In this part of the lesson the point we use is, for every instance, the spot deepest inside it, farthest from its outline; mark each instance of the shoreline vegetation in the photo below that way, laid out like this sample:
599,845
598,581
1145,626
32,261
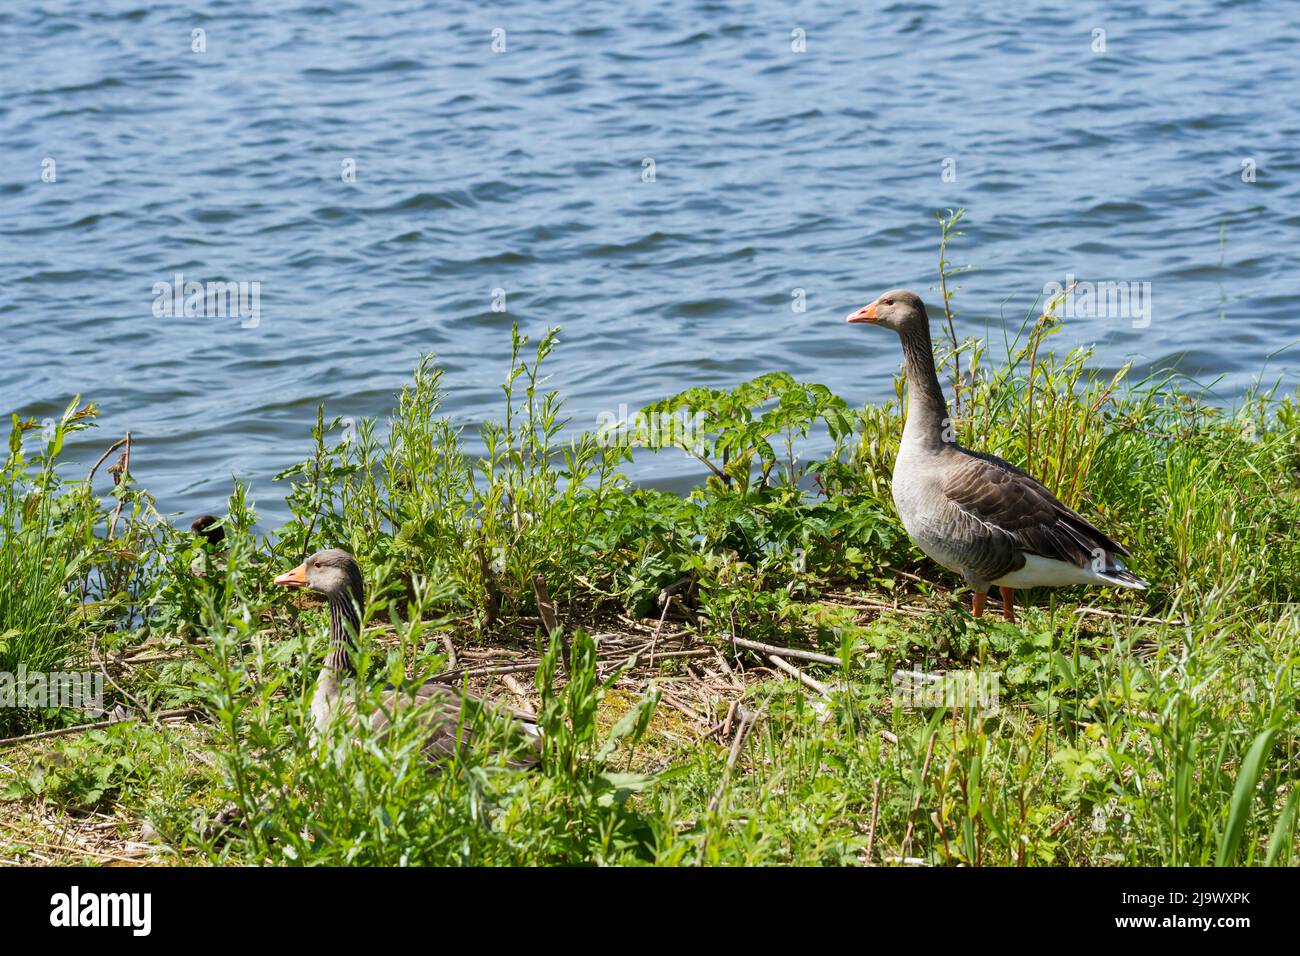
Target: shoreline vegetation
765,671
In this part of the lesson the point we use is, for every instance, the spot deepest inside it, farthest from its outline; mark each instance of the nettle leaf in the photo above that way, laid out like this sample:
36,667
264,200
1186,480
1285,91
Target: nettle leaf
617,787
837,420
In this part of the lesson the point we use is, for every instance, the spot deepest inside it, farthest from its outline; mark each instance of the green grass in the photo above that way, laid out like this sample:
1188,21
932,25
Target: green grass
1134,728
48,552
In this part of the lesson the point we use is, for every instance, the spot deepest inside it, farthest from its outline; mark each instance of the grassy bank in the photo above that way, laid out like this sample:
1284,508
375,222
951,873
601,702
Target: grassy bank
1128,728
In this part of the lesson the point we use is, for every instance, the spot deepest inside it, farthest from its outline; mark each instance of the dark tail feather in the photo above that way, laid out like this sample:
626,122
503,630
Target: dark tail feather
1126,579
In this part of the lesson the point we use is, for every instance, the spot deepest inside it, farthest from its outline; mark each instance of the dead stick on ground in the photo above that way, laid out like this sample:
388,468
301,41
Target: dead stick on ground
680,705
1061,824
126,694
78,728
746,721
736,683
529,666
906,574
784,651
546,610
709,733
448,676
73,851
61,731
731,713
799,675
654,641
694,652
516,688
865,605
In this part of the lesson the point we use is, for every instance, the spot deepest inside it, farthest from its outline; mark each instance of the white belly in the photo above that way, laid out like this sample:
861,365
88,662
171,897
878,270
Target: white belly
1040,572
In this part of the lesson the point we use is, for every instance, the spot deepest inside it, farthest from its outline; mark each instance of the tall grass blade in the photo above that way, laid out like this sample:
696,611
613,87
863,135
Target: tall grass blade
1283,833
1243,795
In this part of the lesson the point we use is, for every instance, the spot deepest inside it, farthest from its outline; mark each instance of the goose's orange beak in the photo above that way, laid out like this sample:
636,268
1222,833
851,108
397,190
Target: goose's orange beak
865,314
297,578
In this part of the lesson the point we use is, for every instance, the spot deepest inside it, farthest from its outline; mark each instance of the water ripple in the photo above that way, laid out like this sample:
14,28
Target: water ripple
665,185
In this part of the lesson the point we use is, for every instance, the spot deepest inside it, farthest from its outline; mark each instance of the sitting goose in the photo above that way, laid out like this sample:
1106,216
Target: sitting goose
209,528
335,574
975,514
210,534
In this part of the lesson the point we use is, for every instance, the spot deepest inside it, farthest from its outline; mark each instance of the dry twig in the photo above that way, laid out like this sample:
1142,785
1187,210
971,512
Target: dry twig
799,675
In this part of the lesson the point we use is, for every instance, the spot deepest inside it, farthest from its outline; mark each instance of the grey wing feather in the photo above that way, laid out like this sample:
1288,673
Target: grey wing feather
1019,510
446,720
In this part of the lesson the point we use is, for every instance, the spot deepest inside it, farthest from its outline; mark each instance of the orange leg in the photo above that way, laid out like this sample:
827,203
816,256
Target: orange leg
977,603
1008,604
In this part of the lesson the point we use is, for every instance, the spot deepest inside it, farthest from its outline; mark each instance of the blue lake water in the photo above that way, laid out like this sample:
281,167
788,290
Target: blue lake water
379,169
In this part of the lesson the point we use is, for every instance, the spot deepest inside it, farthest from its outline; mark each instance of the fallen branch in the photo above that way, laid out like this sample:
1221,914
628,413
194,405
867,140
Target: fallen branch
731,713
747,720
784,651
68,850
448,676
710,732
98,725
516,688
546,610
529,666
683,707
1061,824
799,675
667,600
865,604
62,731
664,655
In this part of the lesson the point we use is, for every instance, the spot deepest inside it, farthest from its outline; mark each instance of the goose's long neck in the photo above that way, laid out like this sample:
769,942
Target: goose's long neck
345,623
927,412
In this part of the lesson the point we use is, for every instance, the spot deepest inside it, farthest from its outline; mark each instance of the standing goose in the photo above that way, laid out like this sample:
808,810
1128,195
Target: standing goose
975,514
335,574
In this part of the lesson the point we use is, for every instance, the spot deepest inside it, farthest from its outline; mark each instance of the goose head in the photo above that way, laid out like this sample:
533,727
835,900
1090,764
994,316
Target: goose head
331,572
897,309
209,528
